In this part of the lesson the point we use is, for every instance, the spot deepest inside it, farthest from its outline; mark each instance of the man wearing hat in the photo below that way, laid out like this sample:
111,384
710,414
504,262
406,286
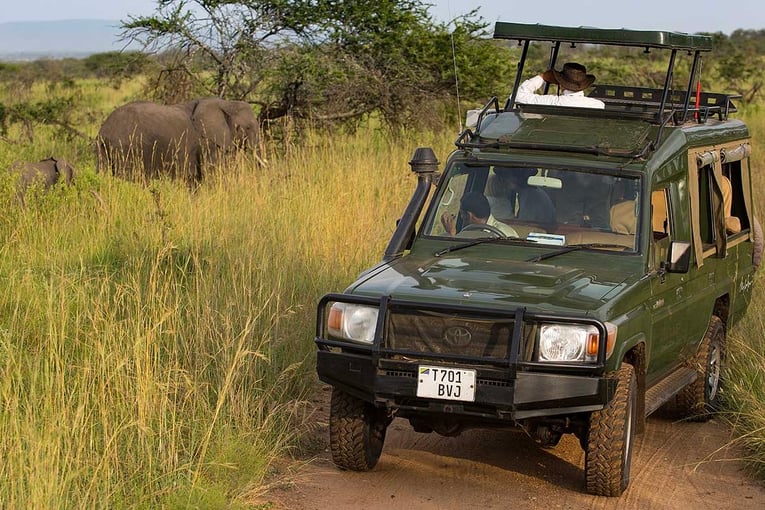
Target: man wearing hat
571,81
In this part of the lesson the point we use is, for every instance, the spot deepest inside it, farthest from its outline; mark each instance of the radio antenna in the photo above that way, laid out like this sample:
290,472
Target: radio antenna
456,83
454,63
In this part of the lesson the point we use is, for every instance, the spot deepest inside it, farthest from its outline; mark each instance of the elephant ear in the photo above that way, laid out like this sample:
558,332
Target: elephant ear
235,128
64,168
212,123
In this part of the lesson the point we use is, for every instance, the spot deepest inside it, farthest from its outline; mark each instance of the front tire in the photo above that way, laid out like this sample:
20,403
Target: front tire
356,432
610,438
700,399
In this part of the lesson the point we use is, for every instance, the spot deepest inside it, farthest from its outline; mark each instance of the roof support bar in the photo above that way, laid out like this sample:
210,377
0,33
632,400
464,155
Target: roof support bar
553,60
521,62
691,79
667,83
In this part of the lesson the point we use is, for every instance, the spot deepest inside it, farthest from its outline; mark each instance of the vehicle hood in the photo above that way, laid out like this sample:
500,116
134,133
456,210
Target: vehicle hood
499,284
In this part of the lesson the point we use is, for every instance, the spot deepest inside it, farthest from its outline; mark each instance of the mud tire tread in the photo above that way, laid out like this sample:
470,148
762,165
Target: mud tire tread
356,432
692,401
605,467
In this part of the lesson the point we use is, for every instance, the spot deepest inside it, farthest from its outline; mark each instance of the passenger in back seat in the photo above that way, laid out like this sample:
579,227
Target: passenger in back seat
511,197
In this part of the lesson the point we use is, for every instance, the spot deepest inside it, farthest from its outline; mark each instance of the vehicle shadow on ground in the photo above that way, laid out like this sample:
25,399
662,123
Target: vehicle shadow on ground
509,450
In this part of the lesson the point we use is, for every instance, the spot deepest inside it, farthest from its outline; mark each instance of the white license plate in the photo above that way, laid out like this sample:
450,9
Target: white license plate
446,383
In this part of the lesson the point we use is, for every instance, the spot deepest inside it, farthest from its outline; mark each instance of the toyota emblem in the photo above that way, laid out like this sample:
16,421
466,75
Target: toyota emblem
457,336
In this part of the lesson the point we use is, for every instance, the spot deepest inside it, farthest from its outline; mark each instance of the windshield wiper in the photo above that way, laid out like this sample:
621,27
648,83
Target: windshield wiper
573,247
474,242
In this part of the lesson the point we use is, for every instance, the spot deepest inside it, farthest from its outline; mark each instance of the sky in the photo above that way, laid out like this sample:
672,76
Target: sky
689,16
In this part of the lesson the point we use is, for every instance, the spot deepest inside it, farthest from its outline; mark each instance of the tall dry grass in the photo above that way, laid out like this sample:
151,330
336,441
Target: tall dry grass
745,374
156,344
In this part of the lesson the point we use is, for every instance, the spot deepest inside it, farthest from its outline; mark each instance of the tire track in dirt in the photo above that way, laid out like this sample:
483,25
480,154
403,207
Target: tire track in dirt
675,465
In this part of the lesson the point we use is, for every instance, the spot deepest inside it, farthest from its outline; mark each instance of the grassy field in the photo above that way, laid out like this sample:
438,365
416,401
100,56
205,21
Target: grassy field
745,377
156,345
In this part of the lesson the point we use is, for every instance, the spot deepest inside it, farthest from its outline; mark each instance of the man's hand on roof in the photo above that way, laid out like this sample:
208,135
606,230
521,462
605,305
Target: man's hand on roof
549,76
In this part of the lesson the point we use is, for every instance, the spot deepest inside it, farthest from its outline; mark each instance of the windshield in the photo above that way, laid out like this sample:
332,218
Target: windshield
538,205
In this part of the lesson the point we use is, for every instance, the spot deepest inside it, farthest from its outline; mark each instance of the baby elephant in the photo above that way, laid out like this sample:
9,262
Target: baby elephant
46,172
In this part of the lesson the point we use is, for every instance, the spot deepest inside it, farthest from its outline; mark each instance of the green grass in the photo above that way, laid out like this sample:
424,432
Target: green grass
156,345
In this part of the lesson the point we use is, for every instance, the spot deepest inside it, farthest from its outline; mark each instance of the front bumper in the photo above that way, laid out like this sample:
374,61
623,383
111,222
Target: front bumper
500,395
508,386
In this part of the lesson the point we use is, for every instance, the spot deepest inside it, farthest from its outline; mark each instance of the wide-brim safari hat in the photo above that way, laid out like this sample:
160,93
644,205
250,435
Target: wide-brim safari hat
573,77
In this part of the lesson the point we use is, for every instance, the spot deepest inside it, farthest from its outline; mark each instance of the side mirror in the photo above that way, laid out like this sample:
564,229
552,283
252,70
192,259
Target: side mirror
679,259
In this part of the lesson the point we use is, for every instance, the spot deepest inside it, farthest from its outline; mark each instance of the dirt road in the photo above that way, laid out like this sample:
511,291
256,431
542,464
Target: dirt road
676,465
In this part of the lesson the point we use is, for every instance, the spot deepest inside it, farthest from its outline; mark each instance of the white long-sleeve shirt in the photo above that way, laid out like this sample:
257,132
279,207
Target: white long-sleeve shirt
527,95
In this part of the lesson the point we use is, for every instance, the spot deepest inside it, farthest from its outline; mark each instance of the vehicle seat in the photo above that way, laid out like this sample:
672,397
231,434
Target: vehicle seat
623,217
659,218
732,223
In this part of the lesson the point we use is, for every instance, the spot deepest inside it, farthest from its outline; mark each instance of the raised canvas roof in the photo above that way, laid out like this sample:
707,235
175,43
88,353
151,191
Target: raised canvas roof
617,37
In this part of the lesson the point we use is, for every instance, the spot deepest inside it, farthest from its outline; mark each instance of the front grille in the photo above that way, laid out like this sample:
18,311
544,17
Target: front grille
438,333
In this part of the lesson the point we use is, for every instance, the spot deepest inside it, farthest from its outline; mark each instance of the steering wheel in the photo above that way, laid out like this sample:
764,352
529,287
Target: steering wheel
491,229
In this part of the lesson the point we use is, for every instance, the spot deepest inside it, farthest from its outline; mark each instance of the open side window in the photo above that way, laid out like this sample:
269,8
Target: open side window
720,205
736,206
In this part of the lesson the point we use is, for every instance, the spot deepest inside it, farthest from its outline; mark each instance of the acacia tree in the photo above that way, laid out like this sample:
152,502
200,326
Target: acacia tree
234,38
321,59
391,57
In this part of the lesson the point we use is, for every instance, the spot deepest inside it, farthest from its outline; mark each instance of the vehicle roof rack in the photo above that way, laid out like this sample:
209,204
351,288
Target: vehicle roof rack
659,106
617,37
671,41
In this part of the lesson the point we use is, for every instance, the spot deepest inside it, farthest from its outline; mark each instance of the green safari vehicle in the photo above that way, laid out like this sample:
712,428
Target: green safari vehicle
569,270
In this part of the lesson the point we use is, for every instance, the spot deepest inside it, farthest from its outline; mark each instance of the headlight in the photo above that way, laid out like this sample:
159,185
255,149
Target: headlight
573,342
352,322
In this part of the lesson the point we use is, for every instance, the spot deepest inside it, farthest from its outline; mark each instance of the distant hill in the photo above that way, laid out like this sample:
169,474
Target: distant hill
30,40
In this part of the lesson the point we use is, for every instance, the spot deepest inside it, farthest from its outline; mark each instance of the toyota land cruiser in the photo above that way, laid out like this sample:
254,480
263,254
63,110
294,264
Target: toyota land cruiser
607,297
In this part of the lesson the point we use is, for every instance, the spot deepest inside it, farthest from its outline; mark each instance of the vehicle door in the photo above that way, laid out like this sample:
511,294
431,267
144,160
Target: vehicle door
670,304
683,303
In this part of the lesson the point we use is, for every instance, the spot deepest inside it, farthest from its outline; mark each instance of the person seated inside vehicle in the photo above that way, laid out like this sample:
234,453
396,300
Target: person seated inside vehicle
475,210
511,197
583,201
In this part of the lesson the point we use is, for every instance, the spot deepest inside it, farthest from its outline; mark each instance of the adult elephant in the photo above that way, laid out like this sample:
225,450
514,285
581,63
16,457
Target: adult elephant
147,140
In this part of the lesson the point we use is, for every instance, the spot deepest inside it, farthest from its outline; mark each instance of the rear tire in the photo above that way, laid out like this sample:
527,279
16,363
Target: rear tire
610,438
356,432
700,399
